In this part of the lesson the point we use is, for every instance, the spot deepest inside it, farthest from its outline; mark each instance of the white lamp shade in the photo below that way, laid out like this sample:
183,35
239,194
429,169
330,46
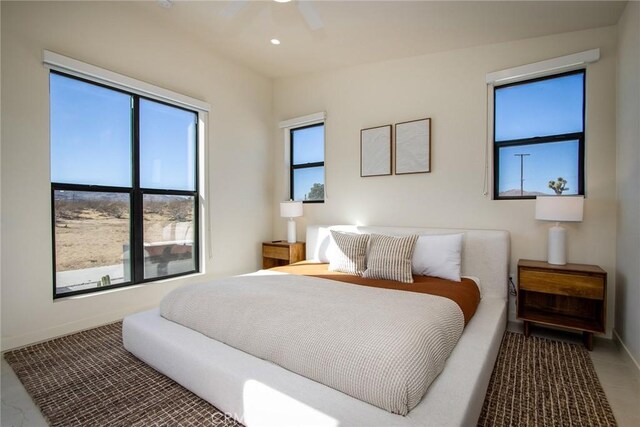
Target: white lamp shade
559,208
290,209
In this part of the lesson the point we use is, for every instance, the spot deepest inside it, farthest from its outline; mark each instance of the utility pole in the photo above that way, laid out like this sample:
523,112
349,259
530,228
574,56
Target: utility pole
522,156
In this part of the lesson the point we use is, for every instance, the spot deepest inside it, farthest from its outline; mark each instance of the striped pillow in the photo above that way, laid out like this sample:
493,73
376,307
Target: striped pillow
390,258
348,252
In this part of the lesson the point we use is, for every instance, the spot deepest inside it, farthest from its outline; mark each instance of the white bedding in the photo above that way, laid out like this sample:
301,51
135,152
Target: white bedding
382,346
260,393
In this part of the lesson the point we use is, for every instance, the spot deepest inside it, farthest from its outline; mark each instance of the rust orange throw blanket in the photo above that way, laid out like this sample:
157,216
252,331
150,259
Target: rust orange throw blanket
464,293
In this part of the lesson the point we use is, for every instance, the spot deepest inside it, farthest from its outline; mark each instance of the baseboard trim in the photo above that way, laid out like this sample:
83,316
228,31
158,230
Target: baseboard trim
16,342
635,362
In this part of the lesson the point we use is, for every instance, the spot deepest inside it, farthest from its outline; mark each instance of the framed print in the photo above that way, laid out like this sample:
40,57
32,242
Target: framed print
375,151
413,147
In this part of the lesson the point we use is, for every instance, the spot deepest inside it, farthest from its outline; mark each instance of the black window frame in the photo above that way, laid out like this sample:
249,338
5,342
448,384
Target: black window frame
136,196
293,167
579,136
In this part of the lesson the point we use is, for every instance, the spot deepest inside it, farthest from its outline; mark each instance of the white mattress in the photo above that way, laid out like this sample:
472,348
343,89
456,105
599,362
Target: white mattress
259,393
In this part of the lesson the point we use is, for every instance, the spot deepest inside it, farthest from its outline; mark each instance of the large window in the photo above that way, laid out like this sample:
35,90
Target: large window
539,137
307,163
124,185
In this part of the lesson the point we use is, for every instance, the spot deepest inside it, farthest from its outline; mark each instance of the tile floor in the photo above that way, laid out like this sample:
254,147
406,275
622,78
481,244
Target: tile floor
18,410
619,377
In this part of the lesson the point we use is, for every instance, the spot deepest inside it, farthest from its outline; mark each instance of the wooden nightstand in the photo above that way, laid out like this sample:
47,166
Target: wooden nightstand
570,296
275,254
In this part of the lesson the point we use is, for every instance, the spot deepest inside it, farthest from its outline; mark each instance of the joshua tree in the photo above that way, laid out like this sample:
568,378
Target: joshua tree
559,185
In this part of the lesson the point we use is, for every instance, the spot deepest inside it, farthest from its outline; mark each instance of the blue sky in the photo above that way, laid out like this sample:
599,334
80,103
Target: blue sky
304,179
308,148
90,134
91,138
546,162
546,107
167,147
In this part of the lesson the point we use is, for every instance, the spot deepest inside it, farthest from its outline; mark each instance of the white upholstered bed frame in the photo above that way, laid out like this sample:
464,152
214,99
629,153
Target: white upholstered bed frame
259,393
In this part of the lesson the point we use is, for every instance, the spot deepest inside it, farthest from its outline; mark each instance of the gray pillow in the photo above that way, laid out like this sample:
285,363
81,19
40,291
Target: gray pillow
390,258
348,252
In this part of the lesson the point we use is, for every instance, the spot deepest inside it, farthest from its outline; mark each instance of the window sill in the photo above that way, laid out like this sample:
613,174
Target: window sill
126,288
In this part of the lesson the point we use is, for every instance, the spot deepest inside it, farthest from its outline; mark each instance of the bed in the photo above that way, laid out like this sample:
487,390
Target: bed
260,393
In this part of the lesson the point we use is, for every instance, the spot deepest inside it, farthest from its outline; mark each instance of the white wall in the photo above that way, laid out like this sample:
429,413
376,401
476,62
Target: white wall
628,178
116,37
450,88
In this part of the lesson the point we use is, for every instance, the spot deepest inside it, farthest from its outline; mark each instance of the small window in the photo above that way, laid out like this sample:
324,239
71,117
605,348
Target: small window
539,137
307,163
124,187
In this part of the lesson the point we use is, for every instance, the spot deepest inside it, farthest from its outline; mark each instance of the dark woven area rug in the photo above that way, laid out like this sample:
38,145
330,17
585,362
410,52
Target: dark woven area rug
542,382
89,379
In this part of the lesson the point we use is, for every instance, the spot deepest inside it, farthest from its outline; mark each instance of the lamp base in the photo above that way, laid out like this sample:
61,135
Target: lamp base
557,245
291,230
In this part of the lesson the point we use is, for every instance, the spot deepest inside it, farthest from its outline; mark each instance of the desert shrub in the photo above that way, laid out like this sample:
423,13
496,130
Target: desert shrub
79,209
180,210
175,209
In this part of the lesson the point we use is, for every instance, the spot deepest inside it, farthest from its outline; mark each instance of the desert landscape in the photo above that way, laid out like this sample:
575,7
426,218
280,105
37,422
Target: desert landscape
92,229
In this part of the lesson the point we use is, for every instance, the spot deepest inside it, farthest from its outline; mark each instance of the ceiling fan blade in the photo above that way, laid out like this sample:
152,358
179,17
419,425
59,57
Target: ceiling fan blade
310,15
233,7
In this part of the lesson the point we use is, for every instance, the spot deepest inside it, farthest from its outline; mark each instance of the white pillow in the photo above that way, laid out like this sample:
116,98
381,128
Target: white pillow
438,256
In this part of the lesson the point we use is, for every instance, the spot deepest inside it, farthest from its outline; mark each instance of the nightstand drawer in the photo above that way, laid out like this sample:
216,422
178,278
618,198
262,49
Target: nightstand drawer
582,286
277,252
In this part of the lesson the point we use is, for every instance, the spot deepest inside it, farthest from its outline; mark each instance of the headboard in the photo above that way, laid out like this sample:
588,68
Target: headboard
485,253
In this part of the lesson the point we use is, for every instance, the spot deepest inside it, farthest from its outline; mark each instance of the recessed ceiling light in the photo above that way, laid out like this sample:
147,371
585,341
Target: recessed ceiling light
275,41
282,1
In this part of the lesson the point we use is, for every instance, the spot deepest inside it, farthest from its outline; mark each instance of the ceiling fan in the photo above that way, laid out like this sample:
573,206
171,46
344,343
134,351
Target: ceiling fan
306,9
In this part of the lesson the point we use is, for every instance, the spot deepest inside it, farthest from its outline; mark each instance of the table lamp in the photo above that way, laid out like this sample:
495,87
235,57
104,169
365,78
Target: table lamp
558,209
291,210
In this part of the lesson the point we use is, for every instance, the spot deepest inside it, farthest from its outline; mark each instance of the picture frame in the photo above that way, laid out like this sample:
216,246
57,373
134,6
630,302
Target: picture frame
375,151
413,147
